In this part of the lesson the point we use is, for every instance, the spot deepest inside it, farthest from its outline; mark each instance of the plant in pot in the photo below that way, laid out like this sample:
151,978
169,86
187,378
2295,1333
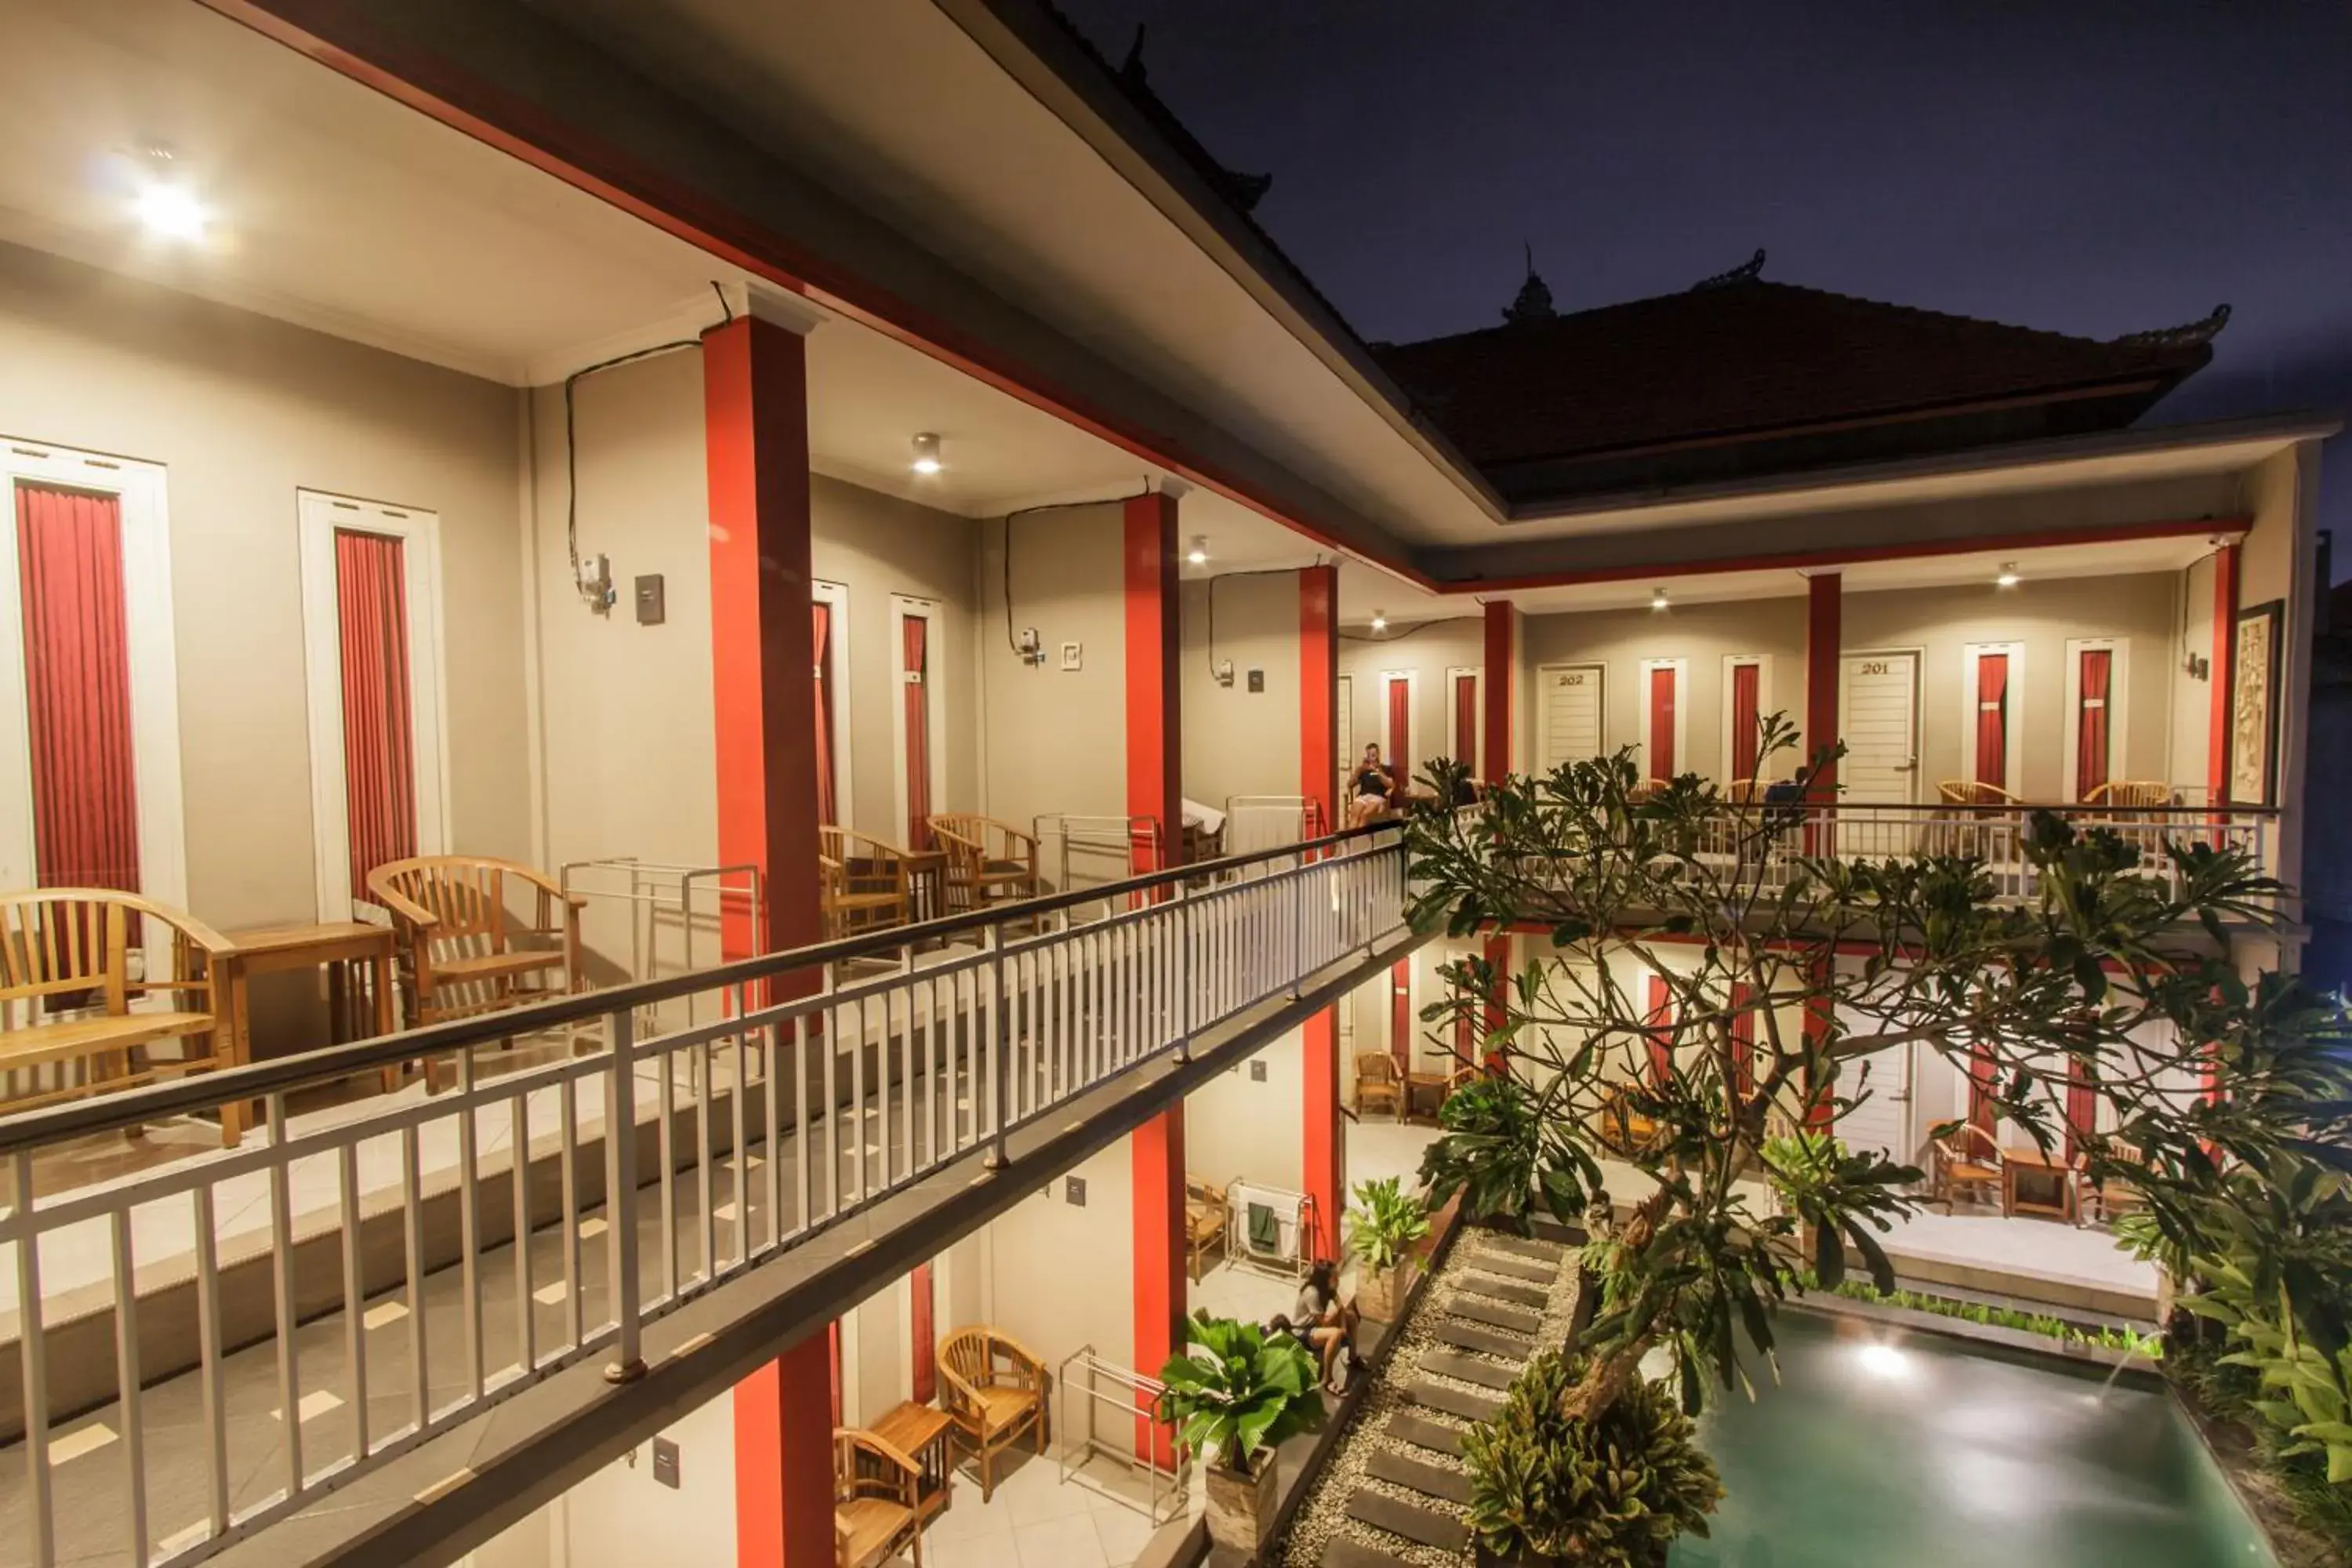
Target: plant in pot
1234,1393
1383,1225
1612,1492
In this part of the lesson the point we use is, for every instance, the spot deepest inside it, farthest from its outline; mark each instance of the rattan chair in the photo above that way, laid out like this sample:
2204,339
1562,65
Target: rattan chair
989,862
993,1388
1379,1085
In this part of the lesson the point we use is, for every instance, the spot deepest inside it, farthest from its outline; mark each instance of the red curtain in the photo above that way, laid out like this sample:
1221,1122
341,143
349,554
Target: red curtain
1465,721
2081,1106
1401,1014
921,1314
832,1344
821,626
77,688
1980,1087
1992,719
1661,760
1747,738
2091,728
1743,1041
913,630
379,753
1659,1019
1400,752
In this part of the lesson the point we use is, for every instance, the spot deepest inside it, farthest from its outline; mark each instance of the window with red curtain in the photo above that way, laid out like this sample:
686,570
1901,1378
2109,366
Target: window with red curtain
821,629
923,1307
914,632
1992,719
1743,1041
1659,1027
77,688
1981,1074
2091,722
379,755
2081,1106
1747,738
1399,757
1401,1014
1661,760
1465,721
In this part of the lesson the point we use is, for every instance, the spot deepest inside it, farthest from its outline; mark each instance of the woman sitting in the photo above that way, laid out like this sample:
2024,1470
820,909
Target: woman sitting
1372,791
1327,1325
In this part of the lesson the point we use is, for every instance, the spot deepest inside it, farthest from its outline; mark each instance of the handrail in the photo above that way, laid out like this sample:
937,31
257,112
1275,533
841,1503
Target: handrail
77,1119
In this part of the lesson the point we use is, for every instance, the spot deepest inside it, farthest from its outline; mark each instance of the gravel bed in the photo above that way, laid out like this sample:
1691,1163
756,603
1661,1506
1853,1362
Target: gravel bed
1324,1514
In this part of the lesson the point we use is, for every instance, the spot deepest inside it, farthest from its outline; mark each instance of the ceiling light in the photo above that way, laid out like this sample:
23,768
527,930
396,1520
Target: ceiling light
2009,577
170,210
1380,622
1199,555
1657,598
927,454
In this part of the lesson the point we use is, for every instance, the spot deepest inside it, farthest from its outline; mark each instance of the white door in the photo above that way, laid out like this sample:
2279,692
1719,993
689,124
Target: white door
1346,743
1568,730
1883,1120
1879,717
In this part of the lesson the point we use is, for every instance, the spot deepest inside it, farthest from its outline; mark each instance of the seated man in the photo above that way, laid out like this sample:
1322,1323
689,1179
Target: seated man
1371,790
1327,1325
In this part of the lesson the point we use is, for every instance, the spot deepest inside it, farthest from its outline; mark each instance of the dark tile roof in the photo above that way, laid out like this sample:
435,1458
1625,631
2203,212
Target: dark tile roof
1742,360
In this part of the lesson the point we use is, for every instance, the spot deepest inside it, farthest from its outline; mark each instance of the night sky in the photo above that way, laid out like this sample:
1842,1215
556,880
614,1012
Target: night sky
2088,168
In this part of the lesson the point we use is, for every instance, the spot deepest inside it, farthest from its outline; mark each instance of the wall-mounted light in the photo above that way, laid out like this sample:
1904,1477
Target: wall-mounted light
1657,598
1199,555
2009,577
927,454
1380,622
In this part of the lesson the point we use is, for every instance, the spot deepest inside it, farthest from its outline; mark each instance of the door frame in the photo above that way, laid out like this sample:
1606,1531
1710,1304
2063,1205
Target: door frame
1477,675
317,514
1344,719
1918,657
142,492
835,596
1763,663
901,607
2012,723
2118,668
1681,669
1543,708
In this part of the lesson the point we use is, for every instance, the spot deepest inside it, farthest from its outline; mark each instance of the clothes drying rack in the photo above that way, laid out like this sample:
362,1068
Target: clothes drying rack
1283,1241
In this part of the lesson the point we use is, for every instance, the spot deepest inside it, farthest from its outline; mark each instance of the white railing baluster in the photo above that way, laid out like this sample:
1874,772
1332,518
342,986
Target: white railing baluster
281,1271
347,1185
412,1215
575,1323
126,1380
621,1200
519,1184
33,1353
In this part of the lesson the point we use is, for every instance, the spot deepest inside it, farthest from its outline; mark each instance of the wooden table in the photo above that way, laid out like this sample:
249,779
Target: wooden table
920,1432
1418,1085
2019,1166
352,1012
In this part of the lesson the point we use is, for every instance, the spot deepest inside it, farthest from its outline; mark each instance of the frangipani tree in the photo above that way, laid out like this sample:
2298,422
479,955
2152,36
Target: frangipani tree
1789,977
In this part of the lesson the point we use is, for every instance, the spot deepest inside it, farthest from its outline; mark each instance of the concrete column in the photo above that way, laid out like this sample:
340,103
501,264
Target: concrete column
1502,699
1323,1143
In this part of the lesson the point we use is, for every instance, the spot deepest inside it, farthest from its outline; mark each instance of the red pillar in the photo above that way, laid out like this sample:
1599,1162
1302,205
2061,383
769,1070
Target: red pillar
2223,674
755,414
1502,699
1154,789
1820,1113
1823,635
1323,1149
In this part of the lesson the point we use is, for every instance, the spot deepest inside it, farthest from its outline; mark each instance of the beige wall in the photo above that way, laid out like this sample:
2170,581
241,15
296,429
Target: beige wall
2142,610
1059,1277
1702,634
622,1518
2193,700
243,411
2277,562
1235,1126
1239,741
1056,739
1428,650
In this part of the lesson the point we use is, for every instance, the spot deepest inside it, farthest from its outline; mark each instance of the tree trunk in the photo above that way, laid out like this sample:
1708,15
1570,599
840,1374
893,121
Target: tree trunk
1607,1377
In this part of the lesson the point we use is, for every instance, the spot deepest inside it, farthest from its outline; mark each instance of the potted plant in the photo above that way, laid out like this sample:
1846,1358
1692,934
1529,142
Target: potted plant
1233,1394
1383,1224
1610,1492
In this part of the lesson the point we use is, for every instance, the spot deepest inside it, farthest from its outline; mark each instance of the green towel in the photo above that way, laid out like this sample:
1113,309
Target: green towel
1265,1229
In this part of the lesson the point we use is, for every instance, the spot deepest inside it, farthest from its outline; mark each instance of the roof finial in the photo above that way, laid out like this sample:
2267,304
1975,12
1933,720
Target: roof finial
2181,337
1131,68
1533,301
1746,271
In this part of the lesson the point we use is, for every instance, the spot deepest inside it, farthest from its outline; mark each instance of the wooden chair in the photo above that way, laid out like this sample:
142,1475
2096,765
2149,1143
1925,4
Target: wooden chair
2114,1194
874,1506
458,955
2129,794
993,1389
1964,1162
1204,1223
1379,1085
66,989
1961,791
867,882
1621,1129
989,862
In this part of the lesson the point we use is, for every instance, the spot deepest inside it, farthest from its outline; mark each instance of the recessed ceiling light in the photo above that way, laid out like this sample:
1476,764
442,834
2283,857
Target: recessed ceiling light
2009,577
1199,555
1657,598
927,454
169,209
1380,622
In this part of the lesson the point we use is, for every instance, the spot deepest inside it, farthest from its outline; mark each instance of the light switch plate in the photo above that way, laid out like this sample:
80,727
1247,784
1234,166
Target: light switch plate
666,1462
1257,680
1074,655
1257,1072
1074,1188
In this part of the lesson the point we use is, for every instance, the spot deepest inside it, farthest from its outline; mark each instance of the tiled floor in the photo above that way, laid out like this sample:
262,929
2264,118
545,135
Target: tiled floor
2047,1249
1035,1520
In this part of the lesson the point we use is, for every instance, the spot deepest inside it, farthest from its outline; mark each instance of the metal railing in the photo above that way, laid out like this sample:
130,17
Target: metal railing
426,1256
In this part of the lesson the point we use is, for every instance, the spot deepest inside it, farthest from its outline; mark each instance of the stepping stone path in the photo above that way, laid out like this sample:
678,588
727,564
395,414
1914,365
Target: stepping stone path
1394,1493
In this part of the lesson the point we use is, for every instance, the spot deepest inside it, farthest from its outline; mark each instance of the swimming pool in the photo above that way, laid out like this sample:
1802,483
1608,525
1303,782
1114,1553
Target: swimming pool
1884,1448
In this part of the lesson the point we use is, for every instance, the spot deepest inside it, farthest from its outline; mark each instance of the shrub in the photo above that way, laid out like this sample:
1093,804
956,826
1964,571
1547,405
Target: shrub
1385,1221
1235,1391
1613,1492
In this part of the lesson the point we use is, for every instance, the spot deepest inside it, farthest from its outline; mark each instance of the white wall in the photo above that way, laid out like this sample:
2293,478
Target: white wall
1428,650
622,1518
1239,741
1059,1277
1235,1126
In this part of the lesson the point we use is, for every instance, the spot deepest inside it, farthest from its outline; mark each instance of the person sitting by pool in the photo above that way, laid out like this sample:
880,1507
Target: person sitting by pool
1329,1325
1370,793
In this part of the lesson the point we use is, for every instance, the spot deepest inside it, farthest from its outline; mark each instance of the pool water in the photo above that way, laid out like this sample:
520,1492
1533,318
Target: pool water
1880,1448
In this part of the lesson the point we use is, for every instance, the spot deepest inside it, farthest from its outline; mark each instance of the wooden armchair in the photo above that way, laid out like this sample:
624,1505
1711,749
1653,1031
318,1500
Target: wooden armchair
2114,1195
2129,794
867,882
1204,1223
1379,1085
1963,1163
874,1506
1621,1128
989,862
993,1389
458,955
66,989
